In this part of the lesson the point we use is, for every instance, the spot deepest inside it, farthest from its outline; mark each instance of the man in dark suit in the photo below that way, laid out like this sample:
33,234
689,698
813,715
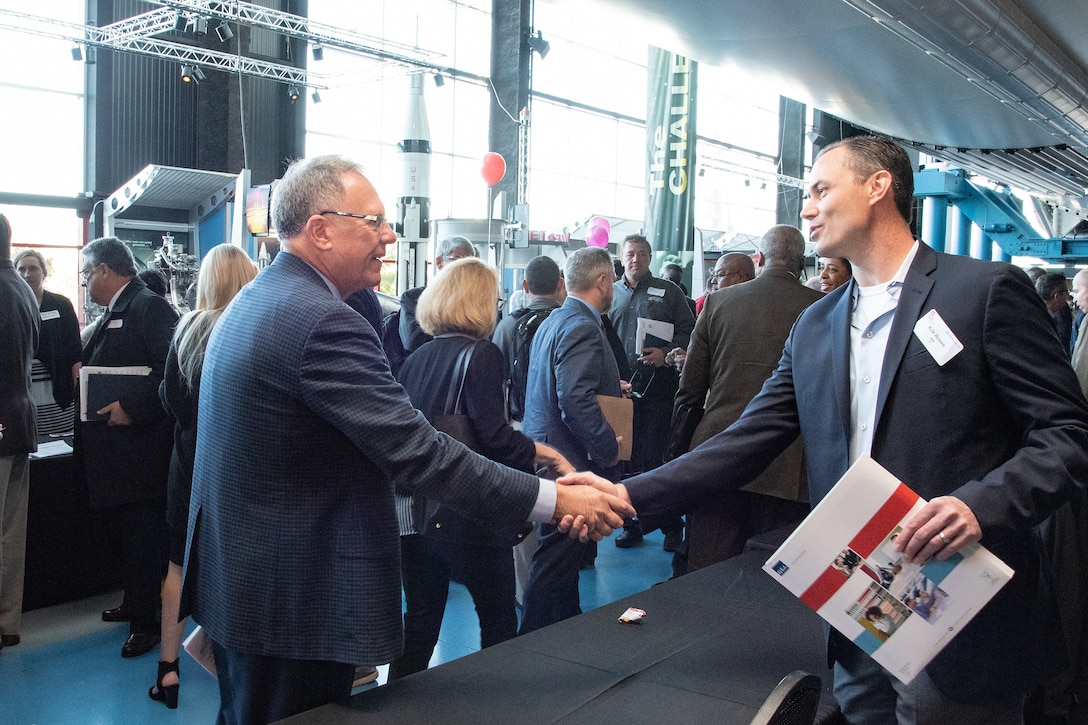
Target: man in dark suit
19,326
127,456
293,562
1053,290
994,436
735,347
570,364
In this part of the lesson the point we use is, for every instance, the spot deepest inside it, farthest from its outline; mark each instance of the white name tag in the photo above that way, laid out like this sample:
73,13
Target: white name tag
938,339
114,324
50,314
656,291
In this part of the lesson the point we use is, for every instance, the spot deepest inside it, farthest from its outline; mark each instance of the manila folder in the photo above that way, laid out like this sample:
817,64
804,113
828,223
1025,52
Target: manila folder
619,412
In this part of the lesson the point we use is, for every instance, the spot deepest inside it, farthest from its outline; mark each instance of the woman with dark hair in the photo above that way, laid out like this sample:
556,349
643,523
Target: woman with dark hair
834,272
224,271
459,308
57,361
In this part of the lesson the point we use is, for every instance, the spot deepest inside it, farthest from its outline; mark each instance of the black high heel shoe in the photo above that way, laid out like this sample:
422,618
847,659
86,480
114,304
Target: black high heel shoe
166,694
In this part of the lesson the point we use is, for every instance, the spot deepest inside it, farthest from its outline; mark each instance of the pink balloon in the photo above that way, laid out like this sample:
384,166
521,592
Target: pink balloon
494,168
600,221
597,237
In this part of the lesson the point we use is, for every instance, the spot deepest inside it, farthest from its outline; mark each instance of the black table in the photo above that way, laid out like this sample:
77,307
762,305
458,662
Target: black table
66,555
712,647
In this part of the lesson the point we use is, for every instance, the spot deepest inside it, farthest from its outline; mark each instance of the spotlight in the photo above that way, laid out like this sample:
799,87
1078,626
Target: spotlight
541,46
318,51
439,80
200,27
224,32
702,171
180,23
293,93
92,55
198,75
186,74
315,97
747,182
77,53
763,186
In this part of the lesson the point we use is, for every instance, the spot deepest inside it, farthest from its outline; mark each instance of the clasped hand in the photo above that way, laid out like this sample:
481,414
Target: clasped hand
590,507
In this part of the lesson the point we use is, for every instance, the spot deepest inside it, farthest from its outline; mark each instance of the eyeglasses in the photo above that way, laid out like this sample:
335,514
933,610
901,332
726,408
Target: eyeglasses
85,273
378,220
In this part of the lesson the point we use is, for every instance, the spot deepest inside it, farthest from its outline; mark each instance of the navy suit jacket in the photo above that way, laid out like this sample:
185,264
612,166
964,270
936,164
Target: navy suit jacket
1002,426
570,364
302,434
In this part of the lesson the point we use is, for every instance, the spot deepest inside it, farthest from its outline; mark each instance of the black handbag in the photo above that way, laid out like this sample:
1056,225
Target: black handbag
453,421
441,520
685,419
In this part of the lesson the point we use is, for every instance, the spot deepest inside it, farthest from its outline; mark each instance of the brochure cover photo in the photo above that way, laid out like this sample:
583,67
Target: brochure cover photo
841,561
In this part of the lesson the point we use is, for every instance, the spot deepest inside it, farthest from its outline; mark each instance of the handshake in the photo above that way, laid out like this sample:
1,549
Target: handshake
590,507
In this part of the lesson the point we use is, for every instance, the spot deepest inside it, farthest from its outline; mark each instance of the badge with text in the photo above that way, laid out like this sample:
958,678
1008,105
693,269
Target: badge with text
937,337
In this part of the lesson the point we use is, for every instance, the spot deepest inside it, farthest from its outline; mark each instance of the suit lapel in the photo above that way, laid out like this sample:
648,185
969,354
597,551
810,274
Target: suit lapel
916,288
840,356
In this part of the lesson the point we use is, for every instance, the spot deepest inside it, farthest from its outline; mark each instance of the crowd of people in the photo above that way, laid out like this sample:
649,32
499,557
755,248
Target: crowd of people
747,405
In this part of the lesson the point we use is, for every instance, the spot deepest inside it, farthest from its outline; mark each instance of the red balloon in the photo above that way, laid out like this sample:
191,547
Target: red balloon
597,237
494,168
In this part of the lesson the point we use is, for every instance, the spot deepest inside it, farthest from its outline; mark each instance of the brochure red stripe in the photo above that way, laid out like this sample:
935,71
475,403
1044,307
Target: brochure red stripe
864,542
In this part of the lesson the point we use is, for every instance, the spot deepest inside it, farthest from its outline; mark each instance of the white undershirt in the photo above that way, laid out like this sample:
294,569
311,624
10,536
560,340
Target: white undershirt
869,333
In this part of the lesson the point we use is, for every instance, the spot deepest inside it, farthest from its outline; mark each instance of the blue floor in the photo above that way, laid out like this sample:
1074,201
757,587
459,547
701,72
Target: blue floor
68,668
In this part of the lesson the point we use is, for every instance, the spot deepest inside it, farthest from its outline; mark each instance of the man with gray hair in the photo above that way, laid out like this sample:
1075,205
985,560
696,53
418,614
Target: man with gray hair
734,349
127,452
571,363
401,334
293,565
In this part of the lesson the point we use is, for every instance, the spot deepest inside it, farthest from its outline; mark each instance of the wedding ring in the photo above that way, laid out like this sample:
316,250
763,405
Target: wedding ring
942,537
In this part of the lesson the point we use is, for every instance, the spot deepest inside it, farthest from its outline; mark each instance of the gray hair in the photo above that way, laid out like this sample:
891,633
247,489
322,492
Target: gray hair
113,253
585,266
309,187
785,245
456,241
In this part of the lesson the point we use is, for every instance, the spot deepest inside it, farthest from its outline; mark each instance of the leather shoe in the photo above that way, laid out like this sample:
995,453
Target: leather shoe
629,538
673,539
117,614
139,643
9,640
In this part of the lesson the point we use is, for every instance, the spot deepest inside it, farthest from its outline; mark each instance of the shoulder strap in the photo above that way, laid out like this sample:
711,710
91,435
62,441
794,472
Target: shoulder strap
455,396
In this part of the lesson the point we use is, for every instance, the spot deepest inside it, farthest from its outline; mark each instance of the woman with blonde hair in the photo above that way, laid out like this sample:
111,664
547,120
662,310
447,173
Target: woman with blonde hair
223,273
459,308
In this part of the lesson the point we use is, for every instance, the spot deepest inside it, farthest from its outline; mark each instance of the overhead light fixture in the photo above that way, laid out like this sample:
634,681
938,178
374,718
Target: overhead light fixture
92,55
293,93
186,74
763,186
315,97
200,27
180,22
541,46
77,53
198,75
747,182
318,51
224,32
439,80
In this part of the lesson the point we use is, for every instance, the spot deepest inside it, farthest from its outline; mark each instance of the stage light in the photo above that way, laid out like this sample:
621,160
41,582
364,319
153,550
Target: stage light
541,46
439,80
198,75
318,52
200,27
293,93
224,32
77,53
186,74
315,97
180,23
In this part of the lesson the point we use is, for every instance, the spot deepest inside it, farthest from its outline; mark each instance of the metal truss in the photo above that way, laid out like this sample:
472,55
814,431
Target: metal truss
138,35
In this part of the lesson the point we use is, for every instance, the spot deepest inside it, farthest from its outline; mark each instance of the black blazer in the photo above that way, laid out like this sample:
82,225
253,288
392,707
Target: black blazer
59,347
18,339
129,463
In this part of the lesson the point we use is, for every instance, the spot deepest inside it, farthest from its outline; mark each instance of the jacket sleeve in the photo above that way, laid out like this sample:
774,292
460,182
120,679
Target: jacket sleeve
485,406
577,380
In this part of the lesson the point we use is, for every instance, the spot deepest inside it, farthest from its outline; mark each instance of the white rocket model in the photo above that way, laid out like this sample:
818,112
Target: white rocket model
414,204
